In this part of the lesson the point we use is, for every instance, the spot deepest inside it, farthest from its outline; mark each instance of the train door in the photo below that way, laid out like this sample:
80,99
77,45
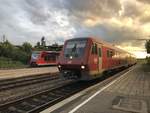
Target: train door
94,59
99,58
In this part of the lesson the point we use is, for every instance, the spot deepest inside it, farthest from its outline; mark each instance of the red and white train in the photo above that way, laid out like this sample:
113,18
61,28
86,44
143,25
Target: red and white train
87,58
43,58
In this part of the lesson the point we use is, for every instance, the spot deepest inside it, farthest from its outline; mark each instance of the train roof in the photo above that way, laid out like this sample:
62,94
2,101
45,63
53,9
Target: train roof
46,51
98,40
107,44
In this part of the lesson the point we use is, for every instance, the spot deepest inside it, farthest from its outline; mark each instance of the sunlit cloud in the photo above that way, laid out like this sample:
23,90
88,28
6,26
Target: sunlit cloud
92,22
137,51
140,54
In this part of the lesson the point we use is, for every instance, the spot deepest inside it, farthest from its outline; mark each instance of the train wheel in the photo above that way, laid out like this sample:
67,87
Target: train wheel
33,64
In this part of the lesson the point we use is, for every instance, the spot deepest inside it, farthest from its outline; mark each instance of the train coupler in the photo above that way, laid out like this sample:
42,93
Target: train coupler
70,75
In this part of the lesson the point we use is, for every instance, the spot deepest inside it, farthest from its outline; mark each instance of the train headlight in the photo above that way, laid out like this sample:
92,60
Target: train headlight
82,67
59,66
71,57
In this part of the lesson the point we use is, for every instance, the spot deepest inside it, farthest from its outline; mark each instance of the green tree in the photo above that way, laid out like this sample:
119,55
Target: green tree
38,44
19,55
27,47
1,48
15,53
147,46
6,49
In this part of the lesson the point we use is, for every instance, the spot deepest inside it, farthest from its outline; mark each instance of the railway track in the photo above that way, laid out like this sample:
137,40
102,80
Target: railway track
23,81
39,101
35,102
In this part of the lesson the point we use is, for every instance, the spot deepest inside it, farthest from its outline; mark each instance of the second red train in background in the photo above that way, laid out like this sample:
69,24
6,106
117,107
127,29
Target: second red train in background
44,58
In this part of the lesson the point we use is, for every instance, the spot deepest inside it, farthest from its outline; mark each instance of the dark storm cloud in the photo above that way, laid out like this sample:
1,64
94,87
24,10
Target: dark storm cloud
36,11
106,9
9,19
89,8
131,10
28,20
144,1
81,10
111,33
145,19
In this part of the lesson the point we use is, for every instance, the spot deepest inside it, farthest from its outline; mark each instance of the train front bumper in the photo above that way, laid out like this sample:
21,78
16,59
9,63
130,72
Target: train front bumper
80,67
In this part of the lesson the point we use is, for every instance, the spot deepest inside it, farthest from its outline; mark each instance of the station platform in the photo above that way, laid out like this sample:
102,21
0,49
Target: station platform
14,73
129,93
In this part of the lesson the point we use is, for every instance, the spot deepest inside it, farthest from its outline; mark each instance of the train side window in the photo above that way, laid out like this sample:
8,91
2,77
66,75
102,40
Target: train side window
99,52
110,54
94,49
107,53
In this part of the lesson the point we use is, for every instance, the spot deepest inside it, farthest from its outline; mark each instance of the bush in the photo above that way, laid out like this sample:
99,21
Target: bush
27,47
21,53
9,63
6,49
21,56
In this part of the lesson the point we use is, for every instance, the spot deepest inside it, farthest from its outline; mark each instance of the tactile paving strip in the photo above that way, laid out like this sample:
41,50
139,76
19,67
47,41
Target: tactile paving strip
130,105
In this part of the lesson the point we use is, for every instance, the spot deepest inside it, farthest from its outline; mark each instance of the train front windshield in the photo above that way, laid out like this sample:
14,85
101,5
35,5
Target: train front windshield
75,48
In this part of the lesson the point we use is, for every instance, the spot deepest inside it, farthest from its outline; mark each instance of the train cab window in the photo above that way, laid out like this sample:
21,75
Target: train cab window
99,52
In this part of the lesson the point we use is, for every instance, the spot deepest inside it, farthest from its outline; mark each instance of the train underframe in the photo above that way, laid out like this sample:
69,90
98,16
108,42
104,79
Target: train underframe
83,75
72,73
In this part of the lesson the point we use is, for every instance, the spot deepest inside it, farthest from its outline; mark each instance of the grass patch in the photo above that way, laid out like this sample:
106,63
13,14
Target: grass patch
7,63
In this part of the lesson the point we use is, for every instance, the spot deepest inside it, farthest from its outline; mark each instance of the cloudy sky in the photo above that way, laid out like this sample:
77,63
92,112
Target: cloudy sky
120,22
